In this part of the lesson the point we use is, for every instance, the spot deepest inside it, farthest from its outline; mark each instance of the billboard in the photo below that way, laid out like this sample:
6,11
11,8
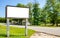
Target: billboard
17,12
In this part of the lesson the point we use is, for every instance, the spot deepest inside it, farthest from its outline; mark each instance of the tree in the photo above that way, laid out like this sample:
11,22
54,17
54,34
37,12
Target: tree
20,5
36,13
52,12
2,20
30,12
57,9
43,16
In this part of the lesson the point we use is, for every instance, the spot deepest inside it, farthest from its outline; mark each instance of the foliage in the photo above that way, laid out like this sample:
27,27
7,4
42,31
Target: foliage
30,12
36,13
50,13
2,20
20,5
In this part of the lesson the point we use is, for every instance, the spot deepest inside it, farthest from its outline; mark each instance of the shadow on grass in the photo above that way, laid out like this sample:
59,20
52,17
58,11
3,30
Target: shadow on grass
4,35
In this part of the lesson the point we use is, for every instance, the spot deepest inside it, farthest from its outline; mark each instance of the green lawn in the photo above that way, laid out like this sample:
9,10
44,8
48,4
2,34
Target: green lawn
15,32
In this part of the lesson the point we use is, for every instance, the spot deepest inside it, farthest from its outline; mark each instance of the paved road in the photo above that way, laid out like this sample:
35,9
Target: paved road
54,31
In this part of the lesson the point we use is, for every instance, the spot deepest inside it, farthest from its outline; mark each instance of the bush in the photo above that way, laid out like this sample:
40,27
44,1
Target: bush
2,20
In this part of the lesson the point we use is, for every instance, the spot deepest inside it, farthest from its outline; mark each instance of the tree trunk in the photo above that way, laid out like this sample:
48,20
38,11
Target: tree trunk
57,24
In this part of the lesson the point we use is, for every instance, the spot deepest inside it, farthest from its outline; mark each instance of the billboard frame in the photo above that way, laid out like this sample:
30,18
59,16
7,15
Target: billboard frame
12,6
8,28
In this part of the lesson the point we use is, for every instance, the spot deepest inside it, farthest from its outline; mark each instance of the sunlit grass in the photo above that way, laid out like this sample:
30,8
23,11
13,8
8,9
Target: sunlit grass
15,32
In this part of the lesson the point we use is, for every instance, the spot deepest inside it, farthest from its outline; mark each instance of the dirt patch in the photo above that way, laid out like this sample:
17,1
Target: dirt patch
43,35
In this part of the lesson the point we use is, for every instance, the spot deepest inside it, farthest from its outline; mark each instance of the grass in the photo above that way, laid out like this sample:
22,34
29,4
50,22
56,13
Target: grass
15,32
48,25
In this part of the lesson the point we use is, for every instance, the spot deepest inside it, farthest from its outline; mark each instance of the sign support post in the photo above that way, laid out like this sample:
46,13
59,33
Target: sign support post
7,28
26,27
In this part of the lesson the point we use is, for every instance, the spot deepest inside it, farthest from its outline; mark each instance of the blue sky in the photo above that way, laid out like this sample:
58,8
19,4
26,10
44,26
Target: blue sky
3,4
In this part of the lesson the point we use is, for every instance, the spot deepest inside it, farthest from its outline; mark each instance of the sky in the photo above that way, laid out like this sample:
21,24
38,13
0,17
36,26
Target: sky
3,4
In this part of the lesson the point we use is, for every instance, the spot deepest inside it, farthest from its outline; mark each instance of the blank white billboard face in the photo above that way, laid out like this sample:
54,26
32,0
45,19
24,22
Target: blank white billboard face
17,12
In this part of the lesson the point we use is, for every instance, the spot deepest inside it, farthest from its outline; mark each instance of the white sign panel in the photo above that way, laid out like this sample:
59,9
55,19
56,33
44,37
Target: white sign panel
17,12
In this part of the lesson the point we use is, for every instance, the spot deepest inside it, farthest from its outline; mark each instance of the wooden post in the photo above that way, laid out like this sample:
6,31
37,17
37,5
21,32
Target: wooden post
26,27
7,28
